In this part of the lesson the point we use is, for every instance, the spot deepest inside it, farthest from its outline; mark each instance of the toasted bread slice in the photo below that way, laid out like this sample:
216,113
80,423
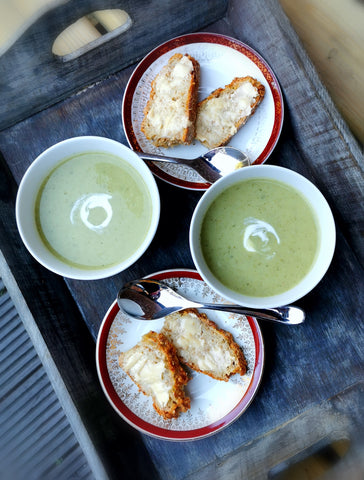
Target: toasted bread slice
203,346
170,114
226,110
155,368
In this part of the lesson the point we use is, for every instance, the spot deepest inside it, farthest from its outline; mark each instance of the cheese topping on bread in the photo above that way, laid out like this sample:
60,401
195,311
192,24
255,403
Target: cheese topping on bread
143,372
154,366
203,346
192,337
170,114
226,110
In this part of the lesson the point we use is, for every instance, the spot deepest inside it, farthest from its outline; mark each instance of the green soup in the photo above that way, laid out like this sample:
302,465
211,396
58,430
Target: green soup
93,210
259,237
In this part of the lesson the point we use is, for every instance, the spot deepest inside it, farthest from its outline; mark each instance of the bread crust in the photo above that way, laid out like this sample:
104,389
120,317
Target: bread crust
185,135
178,401
218,139
239,365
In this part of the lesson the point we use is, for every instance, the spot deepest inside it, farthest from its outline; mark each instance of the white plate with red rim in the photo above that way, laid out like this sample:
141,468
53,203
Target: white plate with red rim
214,404
221,59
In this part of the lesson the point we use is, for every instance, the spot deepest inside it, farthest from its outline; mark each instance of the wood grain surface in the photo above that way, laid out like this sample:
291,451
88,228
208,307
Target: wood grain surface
332,32
33,78
311,391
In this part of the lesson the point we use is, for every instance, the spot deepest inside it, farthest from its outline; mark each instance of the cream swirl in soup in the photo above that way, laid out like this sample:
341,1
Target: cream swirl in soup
260,237
93,210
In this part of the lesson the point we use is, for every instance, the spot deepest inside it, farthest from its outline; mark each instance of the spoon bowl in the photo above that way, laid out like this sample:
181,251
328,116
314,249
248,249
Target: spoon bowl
211,166
150,300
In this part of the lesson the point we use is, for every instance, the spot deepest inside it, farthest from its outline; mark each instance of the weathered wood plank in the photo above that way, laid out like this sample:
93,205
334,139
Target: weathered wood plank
333,36
293,449
33,78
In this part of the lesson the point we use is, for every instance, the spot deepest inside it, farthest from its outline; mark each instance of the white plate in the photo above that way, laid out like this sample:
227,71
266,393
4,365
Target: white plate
214,404
221,59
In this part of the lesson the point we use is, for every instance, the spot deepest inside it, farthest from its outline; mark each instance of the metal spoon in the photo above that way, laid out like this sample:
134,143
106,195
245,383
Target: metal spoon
212,165
151,300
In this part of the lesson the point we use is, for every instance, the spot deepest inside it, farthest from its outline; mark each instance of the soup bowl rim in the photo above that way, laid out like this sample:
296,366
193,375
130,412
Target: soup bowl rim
325,221
32,181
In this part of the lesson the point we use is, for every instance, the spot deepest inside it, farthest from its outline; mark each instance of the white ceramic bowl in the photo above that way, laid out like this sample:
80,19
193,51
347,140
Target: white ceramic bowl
326,225
32,181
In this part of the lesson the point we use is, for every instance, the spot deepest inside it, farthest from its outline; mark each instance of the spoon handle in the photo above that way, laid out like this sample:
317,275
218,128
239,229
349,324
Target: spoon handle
289,315
163,158
202,166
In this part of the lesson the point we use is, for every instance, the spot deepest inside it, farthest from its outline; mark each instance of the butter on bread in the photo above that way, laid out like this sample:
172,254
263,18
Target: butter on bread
154,366
170,114
226,110
203,346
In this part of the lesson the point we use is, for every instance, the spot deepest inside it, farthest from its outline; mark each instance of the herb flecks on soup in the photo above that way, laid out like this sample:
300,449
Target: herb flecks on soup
93,210
259,237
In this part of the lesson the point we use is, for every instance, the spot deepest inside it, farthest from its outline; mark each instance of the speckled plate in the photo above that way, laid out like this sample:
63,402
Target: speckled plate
214,404
221,59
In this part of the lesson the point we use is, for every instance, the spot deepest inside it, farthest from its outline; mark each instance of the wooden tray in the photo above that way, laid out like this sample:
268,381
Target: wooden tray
312,391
